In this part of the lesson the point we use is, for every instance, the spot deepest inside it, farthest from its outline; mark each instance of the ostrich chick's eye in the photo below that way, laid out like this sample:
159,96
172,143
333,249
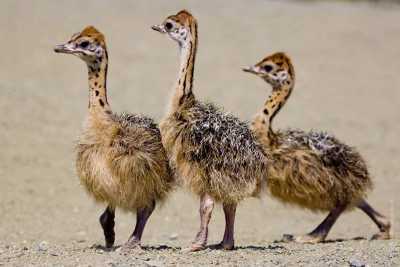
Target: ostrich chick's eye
268,68
168,26
84,44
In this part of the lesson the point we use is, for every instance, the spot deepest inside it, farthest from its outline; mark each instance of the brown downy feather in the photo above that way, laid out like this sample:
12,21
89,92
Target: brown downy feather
121,161
316,171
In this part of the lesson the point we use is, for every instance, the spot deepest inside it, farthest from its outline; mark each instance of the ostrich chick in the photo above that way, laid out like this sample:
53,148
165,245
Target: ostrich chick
313,170
120,158
214,153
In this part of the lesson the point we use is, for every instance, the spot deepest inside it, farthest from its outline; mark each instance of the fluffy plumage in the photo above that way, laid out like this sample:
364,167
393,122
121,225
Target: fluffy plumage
314,170
121,161
213,152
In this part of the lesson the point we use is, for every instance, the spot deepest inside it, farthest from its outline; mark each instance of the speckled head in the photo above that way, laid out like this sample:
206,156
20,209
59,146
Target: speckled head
89,45
181,27
276,69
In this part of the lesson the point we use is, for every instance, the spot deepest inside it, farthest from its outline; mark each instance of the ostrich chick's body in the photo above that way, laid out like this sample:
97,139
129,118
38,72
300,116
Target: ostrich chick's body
120,158
214,153
310,169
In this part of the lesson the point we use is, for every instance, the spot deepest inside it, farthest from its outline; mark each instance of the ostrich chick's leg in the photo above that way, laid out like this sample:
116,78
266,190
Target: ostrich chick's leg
206,208
142,216
228,242
381,221
107,223
318,234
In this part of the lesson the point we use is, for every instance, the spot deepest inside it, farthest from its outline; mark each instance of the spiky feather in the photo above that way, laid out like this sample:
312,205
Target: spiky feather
213,152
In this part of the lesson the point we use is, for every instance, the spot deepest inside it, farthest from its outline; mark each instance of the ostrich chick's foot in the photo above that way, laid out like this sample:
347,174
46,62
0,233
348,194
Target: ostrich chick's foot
228,242
131,244
206,208
318,234
224,246
380,220
384,233
194,247
303,239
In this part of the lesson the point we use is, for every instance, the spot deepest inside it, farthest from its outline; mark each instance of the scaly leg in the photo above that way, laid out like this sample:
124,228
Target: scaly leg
142,216
381,221
318,234
107,223
228,242
206,208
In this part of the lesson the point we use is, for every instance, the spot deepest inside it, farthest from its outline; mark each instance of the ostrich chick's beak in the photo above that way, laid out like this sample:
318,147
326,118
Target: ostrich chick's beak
159,28
250,69
63,48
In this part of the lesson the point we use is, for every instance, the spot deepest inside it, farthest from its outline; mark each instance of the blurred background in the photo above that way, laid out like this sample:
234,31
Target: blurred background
346,55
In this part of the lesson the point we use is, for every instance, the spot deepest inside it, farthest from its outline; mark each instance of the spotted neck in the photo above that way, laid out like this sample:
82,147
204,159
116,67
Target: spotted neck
274,103
184,84
97,72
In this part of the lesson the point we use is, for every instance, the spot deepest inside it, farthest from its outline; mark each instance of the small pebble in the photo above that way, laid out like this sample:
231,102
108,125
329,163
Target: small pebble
43,246
154,263
357,263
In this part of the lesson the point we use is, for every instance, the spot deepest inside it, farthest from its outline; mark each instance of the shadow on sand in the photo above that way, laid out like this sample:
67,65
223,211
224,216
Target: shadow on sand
276,245
337,240
145,248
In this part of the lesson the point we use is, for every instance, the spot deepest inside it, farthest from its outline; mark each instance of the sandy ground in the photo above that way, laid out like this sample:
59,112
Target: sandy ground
347,62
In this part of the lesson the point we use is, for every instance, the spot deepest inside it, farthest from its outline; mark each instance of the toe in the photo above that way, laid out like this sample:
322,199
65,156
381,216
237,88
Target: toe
193,248
381,236
129,246
309,239
224,246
